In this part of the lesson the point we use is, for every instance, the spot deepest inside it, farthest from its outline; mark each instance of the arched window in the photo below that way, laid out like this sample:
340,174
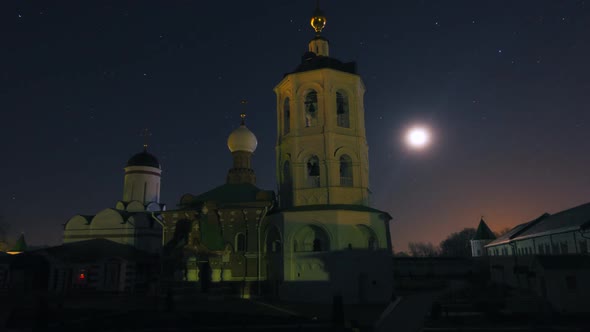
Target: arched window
240,242
311,109
317,245
345,171
311,238
342,111
273,240
286,116
372,243
287,172
368,237
313,172
286,193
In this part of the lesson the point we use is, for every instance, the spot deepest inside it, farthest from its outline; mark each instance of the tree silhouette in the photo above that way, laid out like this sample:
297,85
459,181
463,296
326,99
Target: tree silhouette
422,249
458,244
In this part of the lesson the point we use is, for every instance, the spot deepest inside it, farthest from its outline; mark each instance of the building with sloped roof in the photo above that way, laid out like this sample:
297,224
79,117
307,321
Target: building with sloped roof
563,233
89,265
318,239
218,235
131,221
549,256
483,236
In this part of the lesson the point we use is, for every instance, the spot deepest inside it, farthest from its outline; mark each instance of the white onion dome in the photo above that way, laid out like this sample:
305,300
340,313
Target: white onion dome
242,139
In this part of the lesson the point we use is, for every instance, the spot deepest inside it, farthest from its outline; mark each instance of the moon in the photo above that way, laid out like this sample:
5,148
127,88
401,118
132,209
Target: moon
418,137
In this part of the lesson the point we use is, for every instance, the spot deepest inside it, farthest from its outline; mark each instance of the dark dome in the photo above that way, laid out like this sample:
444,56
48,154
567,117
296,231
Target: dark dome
144,159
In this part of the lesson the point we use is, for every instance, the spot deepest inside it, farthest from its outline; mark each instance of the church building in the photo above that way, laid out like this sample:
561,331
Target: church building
317,238
131,221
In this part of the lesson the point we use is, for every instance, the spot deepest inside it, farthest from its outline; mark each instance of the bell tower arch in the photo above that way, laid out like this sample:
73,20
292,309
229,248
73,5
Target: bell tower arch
321,150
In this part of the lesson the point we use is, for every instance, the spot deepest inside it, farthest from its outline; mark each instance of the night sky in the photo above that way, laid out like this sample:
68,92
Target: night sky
504,85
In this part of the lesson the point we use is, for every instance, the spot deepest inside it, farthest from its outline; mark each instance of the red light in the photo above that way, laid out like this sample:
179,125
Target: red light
82,276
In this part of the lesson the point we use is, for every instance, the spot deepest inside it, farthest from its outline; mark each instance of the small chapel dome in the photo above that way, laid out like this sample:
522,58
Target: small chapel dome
242,139
145,159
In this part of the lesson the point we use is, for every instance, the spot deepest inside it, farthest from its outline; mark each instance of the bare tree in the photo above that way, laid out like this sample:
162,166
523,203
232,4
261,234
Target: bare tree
502,231
422,249
458,244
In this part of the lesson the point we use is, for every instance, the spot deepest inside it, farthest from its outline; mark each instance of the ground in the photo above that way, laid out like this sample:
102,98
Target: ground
93,312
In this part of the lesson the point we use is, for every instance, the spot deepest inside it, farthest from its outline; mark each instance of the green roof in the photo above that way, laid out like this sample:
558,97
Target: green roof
484,232
229,193
20,245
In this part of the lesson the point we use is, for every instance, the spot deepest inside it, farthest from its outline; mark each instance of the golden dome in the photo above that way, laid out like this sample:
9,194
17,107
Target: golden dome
318,20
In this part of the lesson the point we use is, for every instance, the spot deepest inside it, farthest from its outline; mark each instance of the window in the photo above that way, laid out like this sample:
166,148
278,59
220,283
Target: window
311,109
345,171
311,238
287,172
276,246
368,236
342,112
313,172
372,243
564,249
571,282
286,116
273,240
583,247
286,192
317,245
240,242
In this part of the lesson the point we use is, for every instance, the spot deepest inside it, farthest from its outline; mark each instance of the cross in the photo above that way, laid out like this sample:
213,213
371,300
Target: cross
146,133
243,114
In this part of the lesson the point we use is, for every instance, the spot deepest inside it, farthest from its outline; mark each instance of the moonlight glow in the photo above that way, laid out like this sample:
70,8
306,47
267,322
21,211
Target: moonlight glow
418,137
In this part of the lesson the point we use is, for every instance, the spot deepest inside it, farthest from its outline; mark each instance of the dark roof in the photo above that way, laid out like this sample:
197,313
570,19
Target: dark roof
21,244
324,207
144,158
311,61
92,250
576,217
516,231
229,193
484,232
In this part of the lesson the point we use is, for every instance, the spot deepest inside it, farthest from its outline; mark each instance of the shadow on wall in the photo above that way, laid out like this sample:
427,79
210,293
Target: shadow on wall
358,275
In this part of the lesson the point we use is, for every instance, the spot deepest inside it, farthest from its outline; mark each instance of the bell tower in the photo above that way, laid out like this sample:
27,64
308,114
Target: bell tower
321,151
